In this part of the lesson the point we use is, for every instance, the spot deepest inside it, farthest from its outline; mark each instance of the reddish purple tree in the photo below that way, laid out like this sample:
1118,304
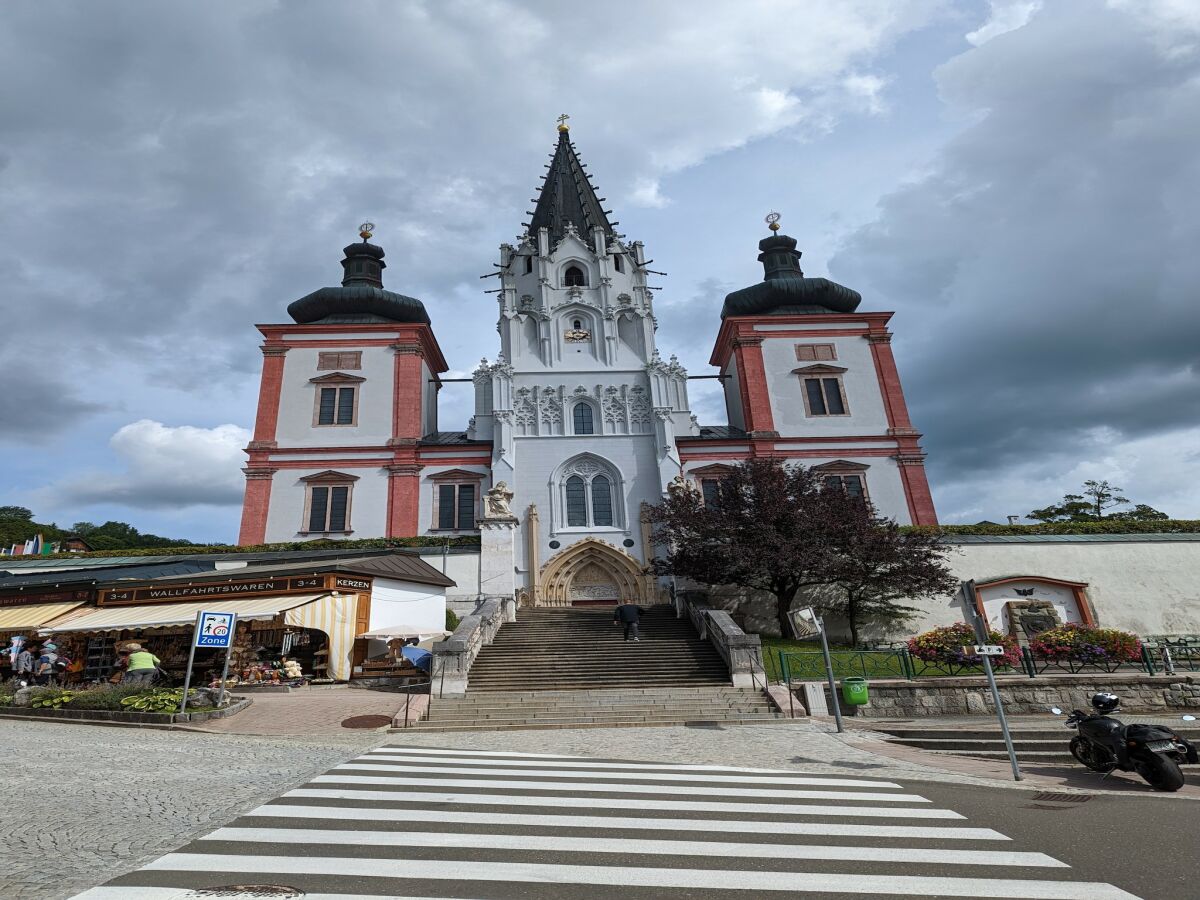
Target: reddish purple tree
779,529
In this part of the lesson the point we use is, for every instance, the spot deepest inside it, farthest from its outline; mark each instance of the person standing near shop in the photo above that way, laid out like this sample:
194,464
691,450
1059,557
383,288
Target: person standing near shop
143,666
24,664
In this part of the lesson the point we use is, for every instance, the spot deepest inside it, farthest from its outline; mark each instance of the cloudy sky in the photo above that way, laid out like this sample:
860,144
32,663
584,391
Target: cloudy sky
1017,180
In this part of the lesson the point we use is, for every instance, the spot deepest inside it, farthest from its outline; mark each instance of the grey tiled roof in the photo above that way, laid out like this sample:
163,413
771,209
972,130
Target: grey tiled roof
715,433
451,437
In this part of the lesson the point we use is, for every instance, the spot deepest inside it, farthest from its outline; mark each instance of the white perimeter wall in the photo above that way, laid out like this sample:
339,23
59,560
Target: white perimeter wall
298,398
463,569
1147,587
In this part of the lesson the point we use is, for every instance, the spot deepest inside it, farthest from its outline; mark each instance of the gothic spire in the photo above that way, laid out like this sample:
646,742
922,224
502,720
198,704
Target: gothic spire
567,196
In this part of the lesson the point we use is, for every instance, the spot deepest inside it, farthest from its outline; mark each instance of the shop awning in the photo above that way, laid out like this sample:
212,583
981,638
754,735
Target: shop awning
37,615
393,632
165,615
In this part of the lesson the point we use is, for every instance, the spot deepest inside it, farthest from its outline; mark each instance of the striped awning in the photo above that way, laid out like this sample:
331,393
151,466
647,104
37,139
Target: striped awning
336,615
37,615
166,615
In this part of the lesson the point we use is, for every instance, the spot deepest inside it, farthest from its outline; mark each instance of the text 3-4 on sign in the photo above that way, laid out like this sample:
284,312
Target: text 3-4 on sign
216,629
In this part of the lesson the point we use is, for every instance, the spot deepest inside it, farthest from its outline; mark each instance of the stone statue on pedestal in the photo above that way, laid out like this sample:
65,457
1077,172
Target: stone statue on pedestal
496,502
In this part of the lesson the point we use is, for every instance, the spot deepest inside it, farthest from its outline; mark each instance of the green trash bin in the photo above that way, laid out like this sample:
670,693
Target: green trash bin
854,691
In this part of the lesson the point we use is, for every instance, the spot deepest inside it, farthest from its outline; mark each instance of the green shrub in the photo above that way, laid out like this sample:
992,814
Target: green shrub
1102,526
160,701
1085,644
50,697
107,696
451,620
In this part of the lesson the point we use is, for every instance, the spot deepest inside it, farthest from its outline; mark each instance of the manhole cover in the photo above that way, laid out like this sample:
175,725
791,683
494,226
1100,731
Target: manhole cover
366,721
1063,798
245,892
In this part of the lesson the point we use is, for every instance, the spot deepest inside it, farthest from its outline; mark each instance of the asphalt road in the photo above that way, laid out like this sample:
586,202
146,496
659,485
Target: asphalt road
1146,845
429,823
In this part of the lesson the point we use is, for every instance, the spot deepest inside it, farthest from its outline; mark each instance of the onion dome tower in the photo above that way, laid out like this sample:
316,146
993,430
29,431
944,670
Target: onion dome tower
361,298
784,291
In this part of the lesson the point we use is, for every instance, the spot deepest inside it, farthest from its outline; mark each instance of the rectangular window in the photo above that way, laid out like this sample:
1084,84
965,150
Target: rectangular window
456,507
348,359
329,508
335,406
466,506
576,502
816,352
824,396
851,484
710,487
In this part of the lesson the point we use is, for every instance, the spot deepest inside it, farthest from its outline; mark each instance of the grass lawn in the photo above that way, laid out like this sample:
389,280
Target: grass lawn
846,661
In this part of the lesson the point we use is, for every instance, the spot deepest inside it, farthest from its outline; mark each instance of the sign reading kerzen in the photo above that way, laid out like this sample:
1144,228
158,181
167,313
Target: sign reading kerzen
216,629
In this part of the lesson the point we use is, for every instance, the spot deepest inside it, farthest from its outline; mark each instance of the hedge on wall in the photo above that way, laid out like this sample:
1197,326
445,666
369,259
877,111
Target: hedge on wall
363,544
1103,526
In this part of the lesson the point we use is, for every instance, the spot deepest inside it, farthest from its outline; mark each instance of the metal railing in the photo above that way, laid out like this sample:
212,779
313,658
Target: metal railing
807,665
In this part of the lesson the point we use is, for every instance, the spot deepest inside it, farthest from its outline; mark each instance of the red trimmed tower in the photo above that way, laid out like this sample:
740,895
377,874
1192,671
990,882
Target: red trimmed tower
808,377
348,391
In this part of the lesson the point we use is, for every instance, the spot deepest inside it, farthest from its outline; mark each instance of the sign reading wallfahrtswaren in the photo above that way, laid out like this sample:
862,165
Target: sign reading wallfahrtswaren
233,589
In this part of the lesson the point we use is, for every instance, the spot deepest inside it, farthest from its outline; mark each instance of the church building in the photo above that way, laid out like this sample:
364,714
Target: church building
579,420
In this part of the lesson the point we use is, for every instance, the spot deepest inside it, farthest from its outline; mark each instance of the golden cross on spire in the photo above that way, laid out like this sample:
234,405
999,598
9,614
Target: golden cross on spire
562,123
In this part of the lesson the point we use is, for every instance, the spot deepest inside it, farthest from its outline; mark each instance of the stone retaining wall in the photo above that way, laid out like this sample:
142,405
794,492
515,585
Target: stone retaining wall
897,699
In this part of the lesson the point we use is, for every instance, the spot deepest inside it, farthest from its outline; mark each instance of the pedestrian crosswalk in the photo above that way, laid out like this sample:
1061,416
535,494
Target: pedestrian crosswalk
417,824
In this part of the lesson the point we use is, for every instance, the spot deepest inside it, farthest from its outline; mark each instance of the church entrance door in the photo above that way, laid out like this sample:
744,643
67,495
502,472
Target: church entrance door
593,571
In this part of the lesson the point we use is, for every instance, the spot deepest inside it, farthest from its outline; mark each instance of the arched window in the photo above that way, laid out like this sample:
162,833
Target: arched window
577,324
528,264
588,494
617,262
576,502
602,511
582,418
573,277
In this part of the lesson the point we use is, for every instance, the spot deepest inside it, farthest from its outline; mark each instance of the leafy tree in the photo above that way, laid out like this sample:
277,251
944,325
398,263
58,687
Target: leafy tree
777,529
876,566
16,512
1097,498
759,532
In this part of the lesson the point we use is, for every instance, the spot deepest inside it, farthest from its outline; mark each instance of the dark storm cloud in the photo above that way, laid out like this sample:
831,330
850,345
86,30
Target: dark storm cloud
1046,268
40,408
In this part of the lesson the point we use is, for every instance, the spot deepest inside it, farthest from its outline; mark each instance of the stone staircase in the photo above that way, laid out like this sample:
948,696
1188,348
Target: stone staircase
572,668
573,648
1034,743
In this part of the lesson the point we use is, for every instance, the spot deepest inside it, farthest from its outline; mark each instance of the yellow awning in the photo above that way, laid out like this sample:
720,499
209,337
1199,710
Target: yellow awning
15,618
165,615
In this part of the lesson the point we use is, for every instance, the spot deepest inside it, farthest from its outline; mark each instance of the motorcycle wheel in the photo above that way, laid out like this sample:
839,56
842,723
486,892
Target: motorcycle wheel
1160,772
1082,752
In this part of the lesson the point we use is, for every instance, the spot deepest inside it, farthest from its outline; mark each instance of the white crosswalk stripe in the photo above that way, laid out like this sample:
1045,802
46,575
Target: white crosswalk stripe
419,824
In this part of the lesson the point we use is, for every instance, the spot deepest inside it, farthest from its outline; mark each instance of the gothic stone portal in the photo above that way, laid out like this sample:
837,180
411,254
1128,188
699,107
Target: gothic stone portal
593,571
593,584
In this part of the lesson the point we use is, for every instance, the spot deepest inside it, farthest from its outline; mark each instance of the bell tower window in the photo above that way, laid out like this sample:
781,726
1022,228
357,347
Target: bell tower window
582,418
574,277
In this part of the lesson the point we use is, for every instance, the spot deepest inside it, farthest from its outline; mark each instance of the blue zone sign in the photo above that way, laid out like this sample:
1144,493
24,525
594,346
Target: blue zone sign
216,629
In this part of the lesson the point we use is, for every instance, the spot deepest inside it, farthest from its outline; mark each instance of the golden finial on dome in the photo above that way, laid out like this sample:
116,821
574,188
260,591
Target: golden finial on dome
562,123
772,220
366,229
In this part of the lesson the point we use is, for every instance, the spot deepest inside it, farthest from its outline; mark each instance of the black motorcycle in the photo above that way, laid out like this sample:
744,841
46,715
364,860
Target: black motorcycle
1152,751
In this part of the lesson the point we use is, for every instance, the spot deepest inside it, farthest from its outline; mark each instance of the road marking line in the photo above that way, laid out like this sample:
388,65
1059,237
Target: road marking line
755,809
567,820
467,757
501,769
623,876
439,839
392,748
574,786
123,892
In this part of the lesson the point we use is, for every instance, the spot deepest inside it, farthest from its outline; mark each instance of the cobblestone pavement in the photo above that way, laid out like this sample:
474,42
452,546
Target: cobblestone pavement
87,803
310,711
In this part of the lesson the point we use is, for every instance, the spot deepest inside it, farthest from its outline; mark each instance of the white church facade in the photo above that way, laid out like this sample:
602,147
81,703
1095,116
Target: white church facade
578,420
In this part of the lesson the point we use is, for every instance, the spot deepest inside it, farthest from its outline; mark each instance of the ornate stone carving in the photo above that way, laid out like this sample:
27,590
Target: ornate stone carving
524,412
497,502
550,407
576,336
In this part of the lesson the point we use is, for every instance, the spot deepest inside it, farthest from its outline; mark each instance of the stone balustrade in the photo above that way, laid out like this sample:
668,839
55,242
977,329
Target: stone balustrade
742,652
453,657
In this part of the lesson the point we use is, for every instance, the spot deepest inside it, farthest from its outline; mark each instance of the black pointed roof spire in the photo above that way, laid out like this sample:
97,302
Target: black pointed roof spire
566,195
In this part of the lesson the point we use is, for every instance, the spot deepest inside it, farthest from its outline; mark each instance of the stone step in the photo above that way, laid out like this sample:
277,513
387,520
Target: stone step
529,726
699,710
